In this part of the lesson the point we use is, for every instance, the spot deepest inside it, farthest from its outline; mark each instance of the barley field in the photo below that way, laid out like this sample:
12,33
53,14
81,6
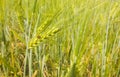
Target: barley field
59,38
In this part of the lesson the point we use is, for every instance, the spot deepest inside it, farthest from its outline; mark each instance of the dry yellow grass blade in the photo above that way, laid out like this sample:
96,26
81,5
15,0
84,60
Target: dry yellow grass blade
35,73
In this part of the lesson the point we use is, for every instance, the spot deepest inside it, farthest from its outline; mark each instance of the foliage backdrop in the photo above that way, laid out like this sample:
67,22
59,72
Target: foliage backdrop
59,38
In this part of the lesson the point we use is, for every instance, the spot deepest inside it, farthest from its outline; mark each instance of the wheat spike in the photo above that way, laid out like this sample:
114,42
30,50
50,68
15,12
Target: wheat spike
42,33
40,37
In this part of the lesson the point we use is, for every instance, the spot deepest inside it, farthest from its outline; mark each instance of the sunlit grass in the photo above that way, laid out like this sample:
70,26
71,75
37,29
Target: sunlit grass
59,38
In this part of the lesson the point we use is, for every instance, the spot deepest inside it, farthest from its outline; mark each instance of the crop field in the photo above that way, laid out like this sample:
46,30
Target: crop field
59,38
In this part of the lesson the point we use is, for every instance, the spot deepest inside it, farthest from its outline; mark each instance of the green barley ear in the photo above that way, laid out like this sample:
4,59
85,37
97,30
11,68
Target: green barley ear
41,37
44,31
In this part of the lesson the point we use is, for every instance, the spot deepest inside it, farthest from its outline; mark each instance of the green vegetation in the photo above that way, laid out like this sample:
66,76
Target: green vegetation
59,38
